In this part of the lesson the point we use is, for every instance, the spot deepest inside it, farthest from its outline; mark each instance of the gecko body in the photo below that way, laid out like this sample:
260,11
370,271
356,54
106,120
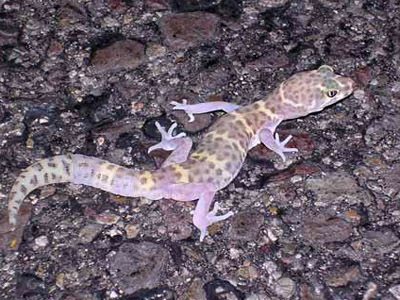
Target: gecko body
212,166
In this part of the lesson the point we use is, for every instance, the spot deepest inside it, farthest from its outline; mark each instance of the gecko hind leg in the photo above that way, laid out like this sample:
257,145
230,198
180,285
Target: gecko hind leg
203,217
179,144
204,192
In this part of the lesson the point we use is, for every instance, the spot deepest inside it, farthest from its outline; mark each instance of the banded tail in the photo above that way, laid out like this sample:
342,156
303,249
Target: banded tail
78,169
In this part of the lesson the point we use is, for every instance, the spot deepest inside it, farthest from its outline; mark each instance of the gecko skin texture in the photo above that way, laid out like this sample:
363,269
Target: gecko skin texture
212,166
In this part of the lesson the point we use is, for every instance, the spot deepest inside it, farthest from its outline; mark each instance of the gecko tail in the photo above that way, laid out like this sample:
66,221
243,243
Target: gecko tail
78,169
47,171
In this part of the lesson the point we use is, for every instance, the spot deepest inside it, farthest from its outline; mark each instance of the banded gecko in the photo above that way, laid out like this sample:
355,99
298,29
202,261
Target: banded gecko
212,166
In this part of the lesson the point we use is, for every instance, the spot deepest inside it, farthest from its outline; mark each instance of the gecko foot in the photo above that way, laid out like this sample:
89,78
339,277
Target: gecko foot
281,146
210,219
183,106
166,138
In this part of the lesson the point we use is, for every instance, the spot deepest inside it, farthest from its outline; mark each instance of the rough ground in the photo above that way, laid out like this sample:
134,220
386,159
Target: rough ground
92,76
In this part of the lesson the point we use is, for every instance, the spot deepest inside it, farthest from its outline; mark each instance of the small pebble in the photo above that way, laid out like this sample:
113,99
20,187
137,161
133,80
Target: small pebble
41,241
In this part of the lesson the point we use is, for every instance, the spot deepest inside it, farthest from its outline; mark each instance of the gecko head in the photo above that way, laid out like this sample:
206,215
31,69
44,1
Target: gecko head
312,91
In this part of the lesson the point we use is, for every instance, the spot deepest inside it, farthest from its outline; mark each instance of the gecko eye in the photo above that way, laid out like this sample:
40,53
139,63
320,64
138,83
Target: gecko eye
331,94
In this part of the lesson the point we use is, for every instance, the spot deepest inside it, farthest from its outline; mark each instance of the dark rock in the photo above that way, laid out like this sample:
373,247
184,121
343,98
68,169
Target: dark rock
343,277
224,8
363,76
137,266
186,30
55,49
271,59
8,34
379,243
71,15
89,233
2,113
179,223
301,169
219,289
118,56
245,226
336,188
309,293
322,230
31,287
157,4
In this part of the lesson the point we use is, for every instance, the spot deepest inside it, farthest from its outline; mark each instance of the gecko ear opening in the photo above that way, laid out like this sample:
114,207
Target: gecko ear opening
325,69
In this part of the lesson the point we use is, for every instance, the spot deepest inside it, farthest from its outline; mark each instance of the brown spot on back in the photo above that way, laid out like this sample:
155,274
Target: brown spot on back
228,146
187,165
110,167
46,177
104,178
240,123
66,167
249,120
23,189
83,165
226,154
38,166
218,172
161,177
52,165
143,180
34,180
53,176
190,178
242,143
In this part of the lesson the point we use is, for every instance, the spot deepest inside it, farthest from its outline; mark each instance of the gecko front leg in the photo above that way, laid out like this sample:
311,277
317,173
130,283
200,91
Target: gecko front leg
267,138
201,108
179,144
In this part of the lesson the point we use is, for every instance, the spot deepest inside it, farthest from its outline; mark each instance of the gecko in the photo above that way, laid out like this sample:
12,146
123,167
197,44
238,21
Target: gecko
186,176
